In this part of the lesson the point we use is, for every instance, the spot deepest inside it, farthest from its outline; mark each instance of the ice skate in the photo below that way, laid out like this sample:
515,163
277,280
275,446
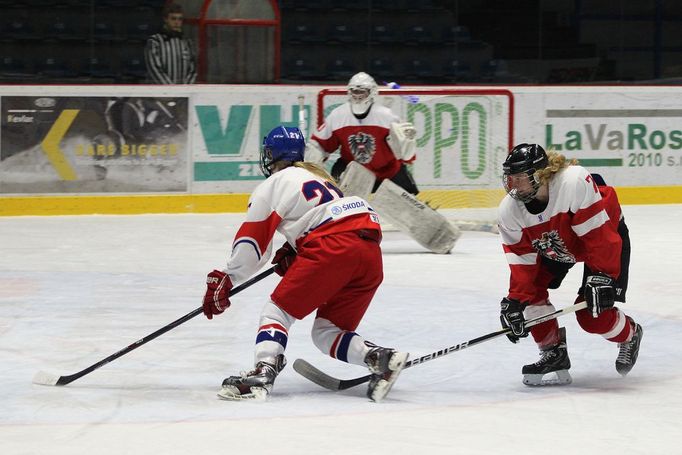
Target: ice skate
385,365
552,368
255,384
627,356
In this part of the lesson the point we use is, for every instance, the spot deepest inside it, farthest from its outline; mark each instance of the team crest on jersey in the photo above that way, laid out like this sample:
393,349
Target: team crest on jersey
551,246
362,146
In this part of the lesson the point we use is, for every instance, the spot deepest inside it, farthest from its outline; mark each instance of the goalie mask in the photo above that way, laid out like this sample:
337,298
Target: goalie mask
519,171
362,89
283,143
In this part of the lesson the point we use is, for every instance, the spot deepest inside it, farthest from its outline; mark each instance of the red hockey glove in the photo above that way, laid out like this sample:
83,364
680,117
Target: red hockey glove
283,259
217,298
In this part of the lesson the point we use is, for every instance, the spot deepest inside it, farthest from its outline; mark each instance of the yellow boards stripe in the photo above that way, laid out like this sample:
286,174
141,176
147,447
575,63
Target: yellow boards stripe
51,144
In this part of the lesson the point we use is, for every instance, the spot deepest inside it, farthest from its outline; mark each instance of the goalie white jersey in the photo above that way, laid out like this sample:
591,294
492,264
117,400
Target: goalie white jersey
299,205
363,140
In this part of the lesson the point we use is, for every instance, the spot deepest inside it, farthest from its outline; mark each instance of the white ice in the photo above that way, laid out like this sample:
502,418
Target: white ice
74,290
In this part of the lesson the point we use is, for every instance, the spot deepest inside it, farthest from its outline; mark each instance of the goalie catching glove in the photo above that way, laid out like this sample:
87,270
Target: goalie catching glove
600,293
217,298
283,259
511,317
401,140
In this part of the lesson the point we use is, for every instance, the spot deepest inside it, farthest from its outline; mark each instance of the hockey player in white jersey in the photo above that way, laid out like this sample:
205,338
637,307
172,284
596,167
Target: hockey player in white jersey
331,263
556,214
375,148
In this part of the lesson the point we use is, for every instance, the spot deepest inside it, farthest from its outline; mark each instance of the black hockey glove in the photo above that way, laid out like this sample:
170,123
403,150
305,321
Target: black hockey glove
600,293
511,316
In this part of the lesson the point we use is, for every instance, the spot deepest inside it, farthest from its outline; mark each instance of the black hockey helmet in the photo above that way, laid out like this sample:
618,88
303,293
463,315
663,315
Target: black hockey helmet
524,159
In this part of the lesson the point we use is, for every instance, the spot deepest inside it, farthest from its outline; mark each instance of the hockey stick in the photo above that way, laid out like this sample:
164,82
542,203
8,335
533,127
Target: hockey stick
322,379
44,378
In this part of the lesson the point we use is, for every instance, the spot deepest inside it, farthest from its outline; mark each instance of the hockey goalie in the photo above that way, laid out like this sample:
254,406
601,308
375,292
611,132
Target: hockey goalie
375,147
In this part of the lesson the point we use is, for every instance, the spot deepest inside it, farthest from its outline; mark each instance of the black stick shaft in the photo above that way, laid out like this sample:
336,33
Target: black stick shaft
63,380
348,383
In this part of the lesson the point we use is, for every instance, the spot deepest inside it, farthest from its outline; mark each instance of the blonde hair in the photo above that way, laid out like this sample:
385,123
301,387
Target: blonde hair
556,162
315,169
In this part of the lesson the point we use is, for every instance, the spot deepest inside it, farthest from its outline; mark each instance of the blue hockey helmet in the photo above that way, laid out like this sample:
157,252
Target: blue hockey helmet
283,143
521,164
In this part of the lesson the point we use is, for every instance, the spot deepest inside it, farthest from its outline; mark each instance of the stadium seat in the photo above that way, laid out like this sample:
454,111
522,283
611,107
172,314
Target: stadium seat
302,33
456,70
390,5
302,69
346,33
383,33
97,67
340,69
455,34
307,5
494,69
350,5
419,34
12,68
55,68
133,69
418,70
67,26
140,31
382,69
20,30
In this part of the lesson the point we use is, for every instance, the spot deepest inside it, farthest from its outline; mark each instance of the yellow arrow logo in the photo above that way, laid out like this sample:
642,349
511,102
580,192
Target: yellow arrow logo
51,144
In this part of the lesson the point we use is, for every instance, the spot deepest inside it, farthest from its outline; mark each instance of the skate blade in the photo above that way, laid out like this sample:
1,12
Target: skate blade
561,377
232,394
396,364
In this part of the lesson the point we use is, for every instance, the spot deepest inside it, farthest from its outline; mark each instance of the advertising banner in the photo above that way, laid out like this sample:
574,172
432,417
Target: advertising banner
93,144
228,130
631,135
462,134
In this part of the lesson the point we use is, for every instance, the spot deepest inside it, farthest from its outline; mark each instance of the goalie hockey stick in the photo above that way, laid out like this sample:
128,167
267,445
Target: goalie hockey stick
44,378
322,379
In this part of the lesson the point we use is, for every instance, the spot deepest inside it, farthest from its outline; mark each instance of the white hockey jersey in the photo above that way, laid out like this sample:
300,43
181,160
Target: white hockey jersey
362,140
300,206
579,224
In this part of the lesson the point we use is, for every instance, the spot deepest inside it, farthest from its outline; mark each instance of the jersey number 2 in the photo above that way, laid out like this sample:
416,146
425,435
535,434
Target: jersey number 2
313,189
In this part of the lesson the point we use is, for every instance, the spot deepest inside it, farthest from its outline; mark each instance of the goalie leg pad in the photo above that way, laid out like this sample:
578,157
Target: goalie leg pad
357,180
428,227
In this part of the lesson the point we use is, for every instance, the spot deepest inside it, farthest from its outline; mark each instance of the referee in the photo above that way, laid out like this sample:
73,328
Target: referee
169,57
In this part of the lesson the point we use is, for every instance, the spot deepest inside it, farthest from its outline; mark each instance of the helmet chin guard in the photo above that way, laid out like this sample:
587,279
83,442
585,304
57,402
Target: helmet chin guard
362,90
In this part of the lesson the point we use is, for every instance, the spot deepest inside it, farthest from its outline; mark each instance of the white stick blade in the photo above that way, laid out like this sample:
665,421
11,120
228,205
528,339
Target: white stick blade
44,378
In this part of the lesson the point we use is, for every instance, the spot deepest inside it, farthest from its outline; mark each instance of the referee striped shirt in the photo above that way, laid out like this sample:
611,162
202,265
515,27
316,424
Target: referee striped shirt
170,59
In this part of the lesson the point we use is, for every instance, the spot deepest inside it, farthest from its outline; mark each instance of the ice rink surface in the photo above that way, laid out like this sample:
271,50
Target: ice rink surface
74,290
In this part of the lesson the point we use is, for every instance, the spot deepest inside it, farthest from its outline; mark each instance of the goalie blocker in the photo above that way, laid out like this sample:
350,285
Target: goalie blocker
428,227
